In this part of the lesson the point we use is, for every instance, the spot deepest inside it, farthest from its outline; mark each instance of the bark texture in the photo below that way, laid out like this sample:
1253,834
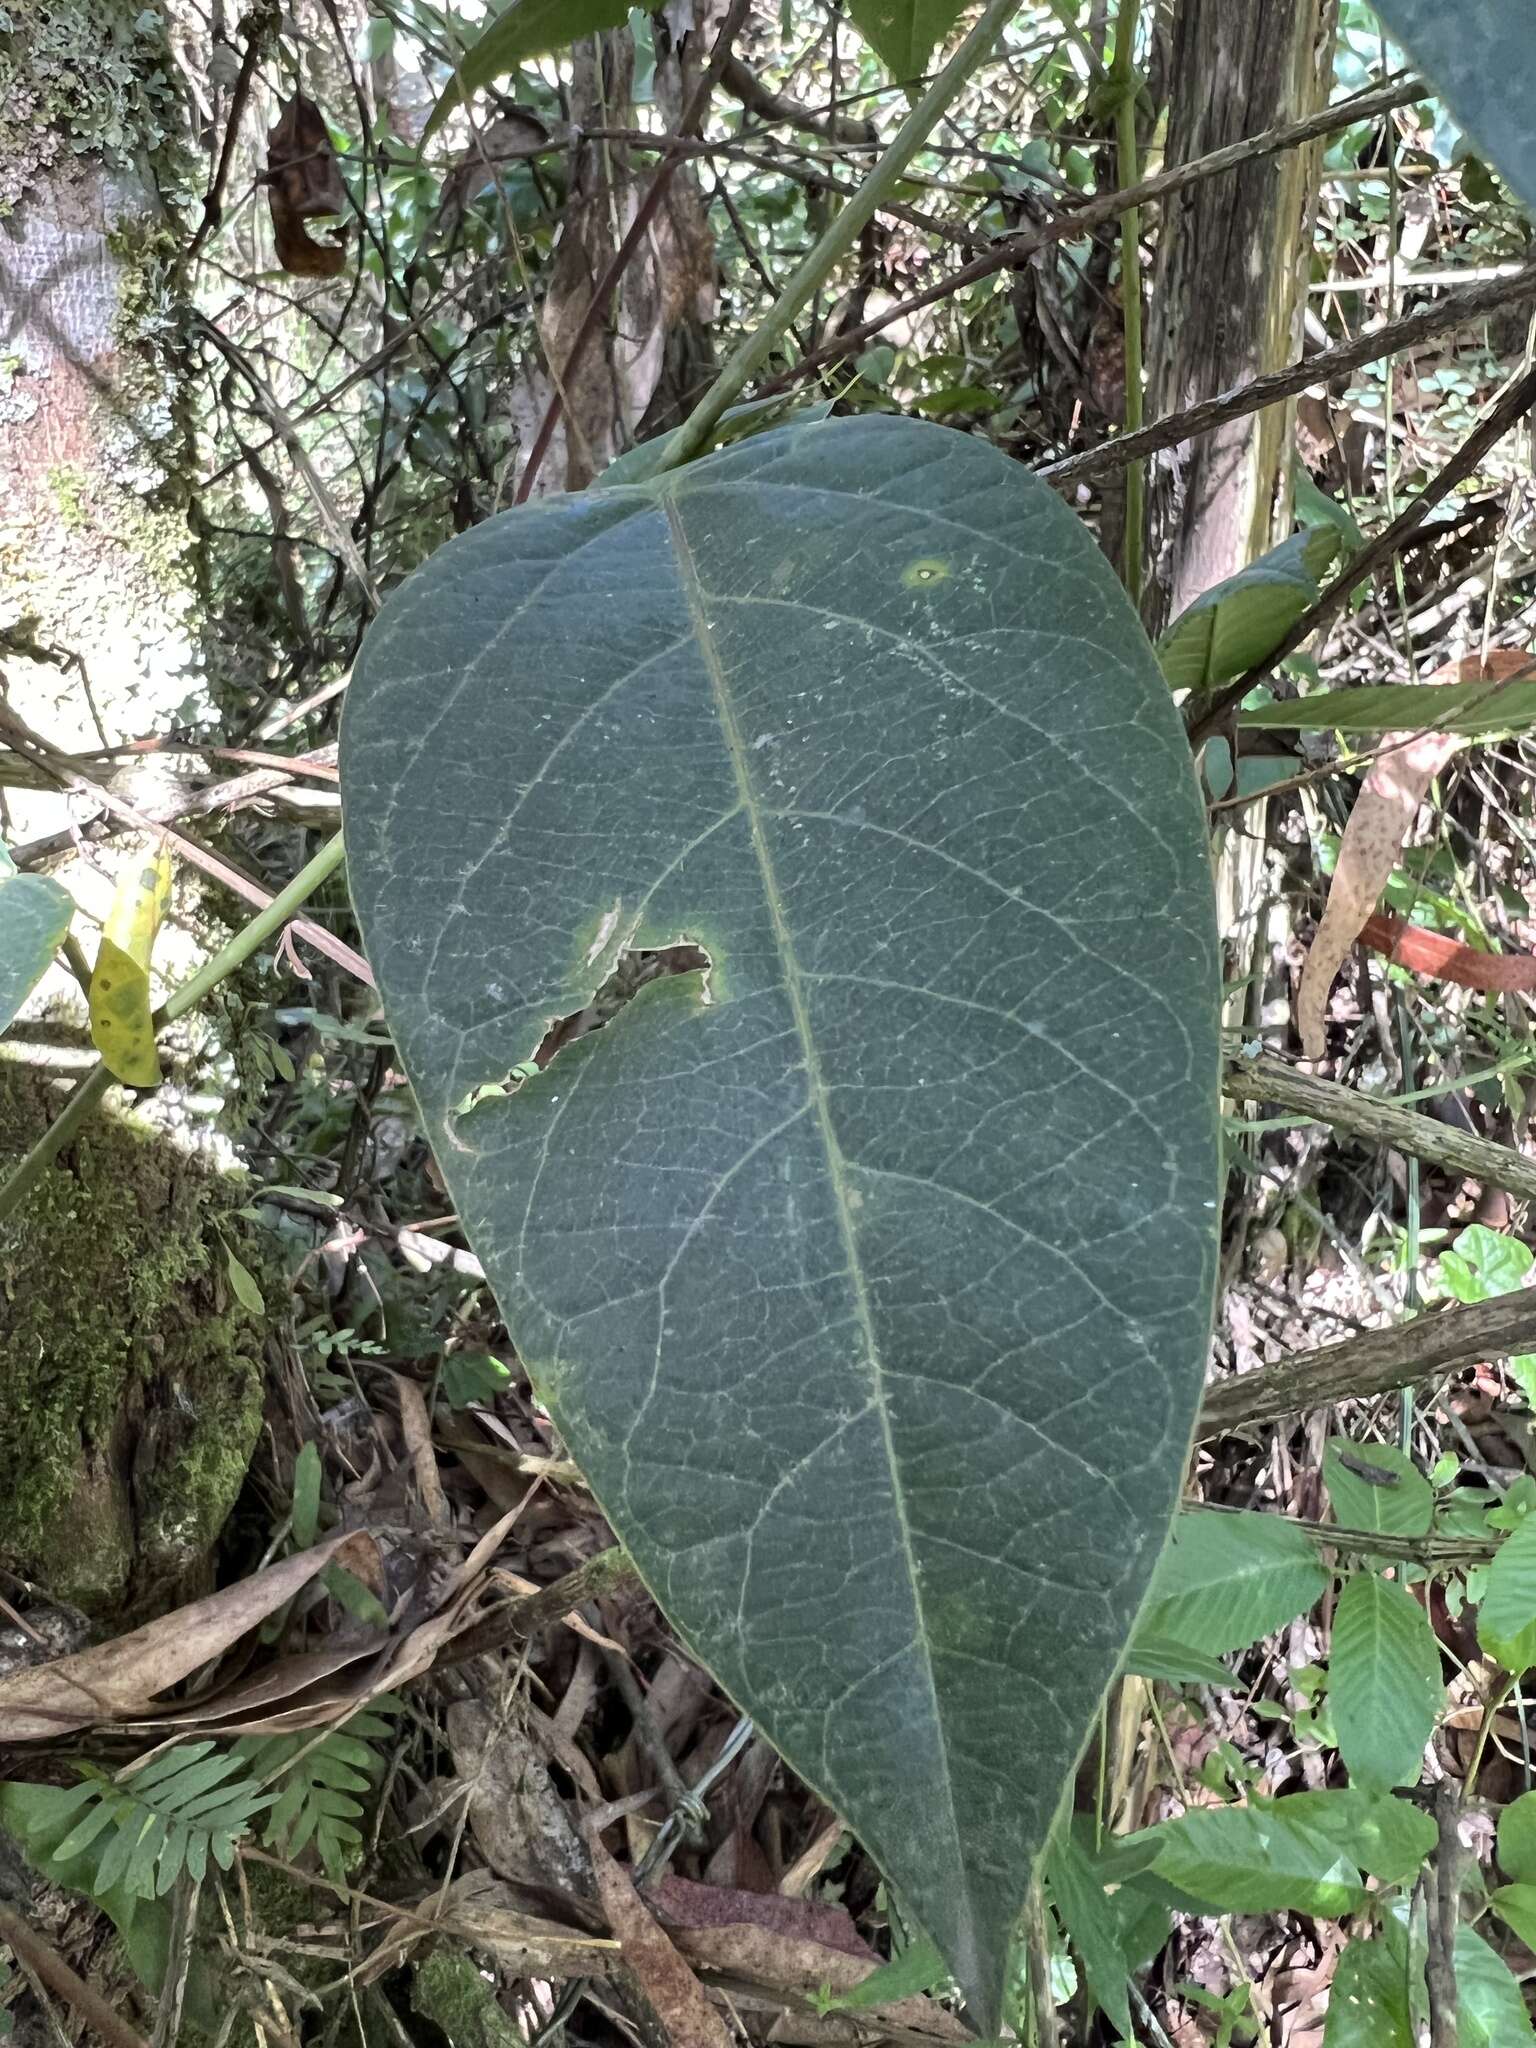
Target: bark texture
1228,300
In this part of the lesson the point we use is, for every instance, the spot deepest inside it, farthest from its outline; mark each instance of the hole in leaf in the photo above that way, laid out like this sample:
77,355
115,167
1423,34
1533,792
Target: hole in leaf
633,972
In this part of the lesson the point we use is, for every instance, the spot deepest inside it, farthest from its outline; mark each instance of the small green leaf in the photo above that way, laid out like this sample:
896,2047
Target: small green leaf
375,39
350,1592
1517,1839
34,916
306,1495
1246,1859
1157,1656
1375,1488
1368,2004
1226,1580
472,1376
1515,1905
242,1284
1508,1613
903,33
1482,1263
918,1968
1471,710
1384,1683
1240,622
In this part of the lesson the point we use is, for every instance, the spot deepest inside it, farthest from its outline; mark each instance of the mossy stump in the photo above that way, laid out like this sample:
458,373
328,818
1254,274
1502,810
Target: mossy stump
130,1377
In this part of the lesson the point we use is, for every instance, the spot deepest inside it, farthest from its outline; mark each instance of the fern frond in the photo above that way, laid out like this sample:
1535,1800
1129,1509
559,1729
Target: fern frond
320,1779
150,1824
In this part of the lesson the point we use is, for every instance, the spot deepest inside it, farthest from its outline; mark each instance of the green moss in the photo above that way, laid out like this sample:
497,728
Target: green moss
88,78
448,1990
130,1379
68,488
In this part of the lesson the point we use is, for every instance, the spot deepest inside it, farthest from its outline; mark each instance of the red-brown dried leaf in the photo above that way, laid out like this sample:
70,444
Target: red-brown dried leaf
1409,945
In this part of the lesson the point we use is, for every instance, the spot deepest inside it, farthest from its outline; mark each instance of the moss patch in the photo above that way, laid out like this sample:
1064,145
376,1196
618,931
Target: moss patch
130,1378
448,1990
80,78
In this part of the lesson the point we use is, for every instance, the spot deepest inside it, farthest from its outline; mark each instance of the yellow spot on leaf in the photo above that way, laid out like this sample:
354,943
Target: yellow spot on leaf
927,569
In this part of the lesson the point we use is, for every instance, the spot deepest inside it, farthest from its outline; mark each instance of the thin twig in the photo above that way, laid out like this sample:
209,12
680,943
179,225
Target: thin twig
836,239
1375,1362
1517,401
1254,1077
1127,163
1009,251
1457,309
46,1962
607,1572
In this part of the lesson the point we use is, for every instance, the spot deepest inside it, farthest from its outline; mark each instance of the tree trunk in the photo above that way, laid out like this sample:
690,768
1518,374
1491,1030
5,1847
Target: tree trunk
130,1376
1231,280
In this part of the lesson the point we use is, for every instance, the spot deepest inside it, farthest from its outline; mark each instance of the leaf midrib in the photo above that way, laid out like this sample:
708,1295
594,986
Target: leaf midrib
693,592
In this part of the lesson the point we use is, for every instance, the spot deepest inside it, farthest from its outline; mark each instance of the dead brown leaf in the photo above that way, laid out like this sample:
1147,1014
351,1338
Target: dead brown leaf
1384,812
123,1679
519,1821
416,1427
682,2015
303,183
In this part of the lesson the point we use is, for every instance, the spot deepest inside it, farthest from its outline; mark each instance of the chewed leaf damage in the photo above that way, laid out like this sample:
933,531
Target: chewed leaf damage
634,971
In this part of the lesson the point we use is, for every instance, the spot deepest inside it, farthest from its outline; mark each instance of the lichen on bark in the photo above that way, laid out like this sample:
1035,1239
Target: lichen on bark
130,1377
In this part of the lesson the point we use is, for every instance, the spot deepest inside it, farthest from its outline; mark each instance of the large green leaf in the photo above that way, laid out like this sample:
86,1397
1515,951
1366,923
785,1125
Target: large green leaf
524,29
1490,2009
904,32
1227,1579
1387,1837
1089,1920
1481,54
1517,1839
34,916
1240,622
867,1277
1384,1683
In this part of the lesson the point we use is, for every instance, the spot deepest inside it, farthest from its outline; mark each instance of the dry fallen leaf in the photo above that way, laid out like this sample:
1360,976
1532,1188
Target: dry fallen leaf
521,1825
121,1680
303,183
1384,811
683,2015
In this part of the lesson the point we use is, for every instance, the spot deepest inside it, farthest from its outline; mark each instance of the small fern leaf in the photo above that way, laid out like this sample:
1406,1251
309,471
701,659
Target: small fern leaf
320,1780
98,1815
139,1832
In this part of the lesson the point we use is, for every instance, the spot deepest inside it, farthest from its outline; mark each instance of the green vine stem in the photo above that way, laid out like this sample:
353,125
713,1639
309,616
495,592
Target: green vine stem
836,239
191,992
1127,172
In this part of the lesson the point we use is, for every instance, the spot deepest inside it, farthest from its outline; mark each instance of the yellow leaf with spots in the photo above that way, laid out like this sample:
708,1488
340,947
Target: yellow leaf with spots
122,1029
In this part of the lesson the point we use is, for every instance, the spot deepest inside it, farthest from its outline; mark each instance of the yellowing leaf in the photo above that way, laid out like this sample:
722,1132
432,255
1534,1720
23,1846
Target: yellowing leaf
121,1027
